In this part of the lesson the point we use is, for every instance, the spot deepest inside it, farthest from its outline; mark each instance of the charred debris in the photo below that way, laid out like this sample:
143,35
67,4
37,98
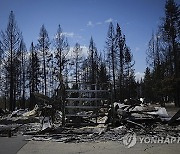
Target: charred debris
87,114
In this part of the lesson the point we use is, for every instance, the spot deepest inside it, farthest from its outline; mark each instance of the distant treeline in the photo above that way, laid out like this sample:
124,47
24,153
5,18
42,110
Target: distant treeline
41,70
162,77
45,65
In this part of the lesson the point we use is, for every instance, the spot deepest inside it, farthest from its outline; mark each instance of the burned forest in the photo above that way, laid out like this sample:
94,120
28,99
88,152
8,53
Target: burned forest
59,91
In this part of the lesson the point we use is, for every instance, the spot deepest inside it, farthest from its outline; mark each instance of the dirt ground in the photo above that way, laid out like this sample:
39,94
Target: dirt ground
110,147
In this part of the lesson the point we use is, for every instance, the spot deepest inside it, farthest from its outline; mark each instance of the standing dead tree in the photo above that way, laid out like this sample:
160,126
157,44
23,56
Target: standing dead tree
10,42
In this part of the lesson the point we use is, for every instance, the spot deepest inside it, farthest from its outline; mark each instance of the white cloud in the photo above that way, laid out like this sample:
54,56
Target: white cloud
90,23
137,49
69,34
139,76
108,20
98,23
72,35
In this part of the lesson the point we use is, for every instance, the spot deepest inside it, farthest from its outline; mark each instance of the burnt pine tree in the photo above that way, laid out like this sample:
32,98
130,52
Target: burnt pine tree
10,41
158,70
150,52
85,71
103,77
163,55
120,47
155,59
77,58
4,86
171,34
43,47
17,76
61,51
1,54
111,55
129,74
147,85
22,76
33,73
92,62
51,77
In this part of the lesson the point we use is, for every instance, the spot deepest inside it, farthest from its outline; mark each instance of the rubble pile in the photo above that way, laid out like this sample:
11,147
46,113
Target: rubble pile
45,124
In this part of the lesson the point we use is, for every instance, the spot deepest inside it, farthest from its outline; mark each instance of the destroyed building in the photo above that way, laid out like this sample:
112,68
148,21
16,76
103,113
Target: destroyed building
88,113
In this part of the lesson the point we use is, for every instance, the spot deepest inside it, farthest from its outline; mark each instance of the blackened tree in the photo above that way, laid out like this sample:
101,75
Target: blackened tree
121,48
10,41
171,34
61,51
103,77
33,73
147,85
129,76
43,47
22,70
85,71
92,62
77,61
111,55
51,76
155,60
164,58
1,52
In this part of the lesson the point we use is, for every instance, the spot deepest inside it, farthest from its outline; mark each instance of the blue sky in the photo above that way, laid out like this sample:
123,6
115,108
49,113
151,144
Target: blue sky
81,19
